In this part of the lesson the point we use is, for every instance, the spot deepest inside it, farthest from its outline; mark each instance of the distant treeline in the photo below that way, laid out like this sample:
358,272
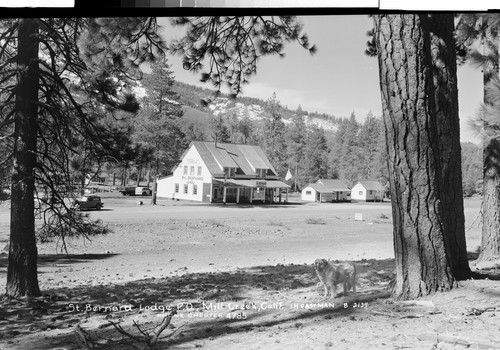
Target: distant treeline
355,151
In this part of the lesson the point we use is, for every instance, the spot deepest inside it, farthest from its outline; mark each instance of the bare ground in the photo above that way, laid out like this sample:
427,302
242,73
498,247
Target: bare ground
241,277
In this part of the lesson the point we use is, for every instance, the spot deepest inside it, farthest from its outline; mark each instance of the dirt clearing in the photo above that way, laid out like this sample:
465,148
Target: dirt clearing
240,277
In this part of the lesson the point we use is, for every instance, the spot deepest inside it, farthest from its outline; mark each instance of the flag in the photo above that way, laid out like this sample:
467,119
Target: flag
288,175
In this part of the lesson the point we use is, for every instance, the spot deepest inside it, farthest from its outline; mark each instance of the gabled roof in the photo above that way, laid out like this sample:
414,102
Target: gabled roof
333,183
372,185
218,156
329,186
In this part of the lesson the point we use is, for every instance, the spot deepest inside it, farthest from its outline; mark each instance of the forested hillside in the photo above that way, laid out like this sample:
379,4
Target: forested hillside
312,145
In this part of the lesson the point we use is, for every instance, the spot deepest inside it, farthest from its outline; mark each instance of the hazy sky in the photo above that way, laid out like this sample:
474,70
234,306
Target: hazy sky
339,79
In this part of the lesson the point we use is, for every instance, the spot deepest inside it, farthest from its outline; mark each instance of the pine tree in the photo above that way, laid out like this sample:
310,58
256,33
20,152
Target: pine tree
274,135
372,163
484,29
58,78
295,140
429,234
158,125
220,131
315,154
233,45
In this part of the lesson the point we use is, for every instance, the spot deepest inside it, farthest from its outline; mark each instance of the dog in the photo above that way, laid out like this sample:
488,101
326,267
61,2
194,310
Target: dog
331,274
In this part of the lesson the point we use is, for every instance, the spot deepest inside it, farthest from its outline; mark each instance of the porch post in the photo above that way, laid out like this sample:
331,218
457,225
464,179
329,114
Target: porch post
211,192
224,195
237,195
251,194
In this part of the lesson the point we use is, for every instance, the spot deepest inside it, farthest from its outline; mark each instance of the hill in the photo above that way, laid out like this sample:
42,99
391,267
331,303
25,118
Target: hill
194,99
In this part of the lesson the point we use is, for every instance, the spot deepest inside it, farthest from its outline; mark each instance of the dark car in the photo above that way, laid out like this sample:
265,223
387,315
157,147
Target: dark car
127,191
88,203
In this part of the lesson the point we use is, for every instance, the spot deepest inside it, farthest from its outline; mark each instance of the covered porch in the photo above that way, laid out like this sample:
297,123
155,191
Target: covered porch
249,191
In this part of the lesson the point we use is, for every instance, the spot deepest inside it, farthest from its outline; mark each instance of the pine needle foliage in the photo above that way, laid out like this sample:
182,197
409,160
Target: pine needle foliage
226,49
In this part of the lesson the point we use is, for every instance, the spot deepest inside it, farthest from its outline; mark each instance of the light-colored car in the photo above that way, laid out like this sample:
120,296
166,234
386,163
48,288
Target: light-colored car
143,191
88,203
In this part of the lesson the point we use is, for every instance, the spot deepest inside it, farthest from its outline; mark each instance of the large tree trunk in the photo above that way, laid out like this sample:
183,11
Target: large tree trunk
423,262
490,239
22,279
444,60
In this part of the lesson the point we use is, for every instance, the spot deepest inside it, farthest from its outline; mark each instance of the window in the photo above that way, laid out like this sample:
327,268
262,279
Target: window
308,193
370,192
185,169
176,188
195,189
199,171
360,193
185,189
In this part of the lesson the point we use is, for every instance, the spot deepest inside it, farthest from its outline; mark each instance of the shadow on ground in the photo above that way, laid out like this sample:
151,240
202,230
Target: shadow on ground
57,259
246,205
62,309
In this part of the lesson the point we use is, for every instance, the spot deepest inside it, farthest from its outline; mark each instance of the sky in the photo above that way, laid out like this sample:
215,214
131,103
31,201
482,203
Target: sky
339,79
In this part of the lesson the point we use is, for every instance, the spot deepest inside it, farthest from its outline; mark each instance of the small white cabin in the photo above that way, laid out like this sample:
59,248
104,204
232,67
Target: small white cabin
326,190
368,191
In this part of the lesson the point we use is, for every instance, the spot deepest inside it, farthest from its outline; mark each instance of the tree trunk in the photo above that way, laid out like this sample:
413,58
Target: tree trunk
139,173
490,239
22,279
444,60
413,148
155,189
149,175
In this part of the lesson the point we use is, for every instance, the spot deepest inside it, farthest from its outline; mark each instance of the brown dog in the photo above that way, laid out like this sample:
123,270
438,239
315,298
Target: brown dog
331,274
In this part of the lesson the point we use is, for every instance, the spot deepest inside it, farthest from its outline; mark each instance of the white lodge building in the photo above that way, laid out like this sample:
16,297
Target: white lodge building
223,172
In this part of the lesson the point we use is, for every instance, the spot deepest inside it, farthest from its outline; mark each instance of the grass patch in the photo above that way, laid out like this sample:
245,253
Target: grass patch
215,223
275,223
315,221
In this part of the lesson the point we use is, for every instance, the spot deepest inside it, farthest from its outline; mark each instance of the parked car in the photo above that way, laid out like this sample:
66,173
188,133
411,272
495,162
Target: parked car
87,203
128,190
143,191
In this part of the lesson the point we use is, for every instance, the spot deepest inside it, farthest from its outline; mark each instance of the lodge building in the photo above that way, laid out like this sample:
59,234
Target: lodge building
224,172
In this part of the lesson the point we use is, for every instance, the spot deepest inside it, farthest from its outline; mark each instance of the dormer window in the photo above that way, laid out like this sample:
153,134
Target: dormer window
229,172
261,172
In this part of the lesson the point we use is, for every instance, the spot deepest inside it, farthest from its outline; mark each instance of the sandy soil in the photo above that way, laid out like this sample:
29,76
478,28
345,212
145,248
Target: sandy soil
240,277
